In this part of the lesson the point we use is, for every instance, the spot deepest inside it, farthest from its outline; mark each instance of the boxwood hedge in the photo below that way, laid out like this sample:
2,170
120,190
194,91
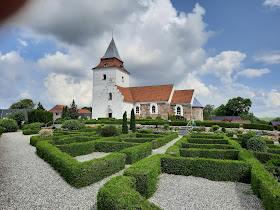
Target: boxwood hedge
207,146
210,153
159,142
258,126
134,154
207,141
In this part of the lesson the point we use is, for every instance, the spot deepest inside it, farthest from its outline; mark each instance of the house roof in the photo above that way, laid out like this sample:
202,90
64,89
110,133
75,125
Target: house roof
196,103
146,93
80,111
182,96
111,62
274,122
233,121
112,51
226,118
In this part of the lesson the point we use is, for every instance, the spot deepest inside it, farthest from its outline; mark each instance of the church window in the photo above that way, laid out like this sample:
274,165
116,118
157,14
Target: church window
137,110
106,64
153,109
110,96
122,79
104,76
56,114
178,110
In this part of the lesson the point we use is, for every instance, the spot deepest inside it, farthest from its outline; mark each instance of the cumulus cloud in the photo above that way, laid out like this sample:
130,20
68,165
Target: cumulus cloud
269,58
251,73
23,43
273,98
272,3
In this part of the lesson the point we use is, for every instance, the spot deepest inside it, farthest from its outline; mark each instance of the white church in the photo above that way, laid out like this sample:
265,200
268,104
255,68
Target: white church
112,95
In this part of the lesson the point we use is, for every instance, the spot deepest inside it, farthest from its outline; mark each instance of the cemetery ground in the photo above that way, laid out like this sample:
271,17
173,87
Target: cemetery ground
146,169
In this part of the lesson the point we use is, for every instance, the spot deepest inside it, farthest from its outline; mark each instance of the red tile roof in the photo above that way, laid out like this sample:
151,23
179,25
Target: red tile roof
182,96
146,93
112,62
81,111
84,111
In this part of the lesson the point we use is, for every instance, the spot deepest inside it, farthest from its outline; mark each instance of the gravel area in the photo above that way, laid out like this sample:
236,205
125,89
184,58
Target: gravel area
188,192
163,149
28,182
91,156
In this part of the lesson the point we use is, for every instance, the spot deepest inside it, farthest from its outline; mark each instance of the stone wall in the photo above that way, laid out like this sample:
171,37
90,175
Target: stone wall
187,112
197,113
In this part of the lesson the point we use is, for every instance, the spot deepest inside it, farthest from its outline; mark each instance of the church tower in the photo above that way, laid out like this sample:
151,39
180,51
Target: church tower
107,101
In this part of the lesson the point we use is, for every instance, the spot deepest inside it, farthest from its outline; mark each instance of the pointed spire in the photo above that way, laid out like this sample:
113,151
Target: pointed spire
112,51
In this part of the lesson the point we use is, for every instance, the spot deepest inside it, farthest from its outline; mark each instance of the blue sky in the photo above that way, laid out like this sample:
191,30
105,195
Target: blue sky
222,49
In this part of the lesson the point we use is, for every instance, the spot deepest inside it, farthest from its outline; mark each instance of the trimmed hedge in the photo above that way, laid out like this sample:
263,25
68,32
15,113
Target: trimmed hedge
111,146
134,154
146,173
210,153
274,146
1,130
268,141
39,116
263,157
137,140
164,140
258,126
29,132
80,174
33,126
274,151
221,124
207,141
120,193
144,135
207,146
213,169
264,185
206,136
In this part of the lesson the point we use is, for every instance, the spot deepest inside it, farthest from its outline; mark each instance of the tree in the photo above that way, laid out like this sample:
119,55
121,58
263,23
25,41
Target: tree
40,107
64,112
124,124
87,108
73,112
23,104
252,118
220,111
206,115
237,106
209,108
18,116
132,121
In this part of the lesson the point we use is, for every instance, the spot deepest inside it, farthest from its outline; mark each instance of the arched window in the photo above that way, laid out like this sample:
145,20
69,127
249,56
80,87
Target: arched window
137,110
178,110
104,76
153,109
110,96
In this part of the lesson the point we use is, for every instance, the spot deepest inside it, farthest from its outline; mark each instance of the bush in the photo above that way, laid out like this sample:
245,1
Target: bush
213,169
230,133
146,173
215,127
221,124
223,129
72,125
85,117
120,193
206,136
9,125
158,118
29,132
18,116
258,126
198,128
134,154
109,130
148,117
45,133
33,126
166,126
210,153
207,146
40,116
263,157
256,144
246,137
1,130
207,141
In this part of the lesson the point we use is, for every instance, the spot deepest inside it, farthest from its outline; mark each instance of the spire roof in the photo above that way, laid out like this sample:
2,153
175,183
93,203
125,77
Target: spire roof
112,51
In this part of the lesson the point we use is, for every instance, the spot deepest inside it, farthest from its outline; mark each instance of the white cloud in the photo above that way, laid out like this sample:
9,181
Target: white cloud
272,3
269,58
23,43
273,99
251,73
223,65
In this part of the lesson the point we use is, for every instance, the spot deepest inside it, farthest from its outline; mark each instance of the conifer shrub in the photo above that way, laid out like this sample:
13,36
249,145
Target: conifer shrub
124,124
132,121
256,143
9,125
72,125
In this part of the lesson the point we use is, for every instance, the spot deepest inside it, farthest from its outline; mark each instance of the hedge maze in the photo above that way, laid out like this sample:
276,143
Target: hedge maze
59,151
215,157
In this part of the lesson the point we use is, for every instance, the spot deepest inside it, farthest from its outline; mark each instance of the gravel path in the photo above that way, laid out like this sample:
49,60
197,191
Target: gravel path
163,149
188,192
28,182
91,156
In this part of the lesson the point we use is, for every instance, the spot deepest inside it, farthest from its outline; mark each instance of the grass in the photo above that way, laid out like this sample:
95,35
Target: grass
267,119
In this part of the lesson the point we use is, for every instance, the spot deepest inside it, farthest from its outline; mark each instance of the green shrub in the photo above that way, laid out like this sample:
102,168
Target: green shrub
221,124
40,116
206,136
159,142
268,141
207,146
1,130
263,157
166,126
120,193
33,126
132,121
246,137
9,125
213,169
29,132
85,117
72,125
210,153
178,123
158,118
138,140
149,117
199,128
109,130
148,135
124,124
207,141
230,133
134,154
18,116
110,146
215,127
146,173
258,126
256,144
223,129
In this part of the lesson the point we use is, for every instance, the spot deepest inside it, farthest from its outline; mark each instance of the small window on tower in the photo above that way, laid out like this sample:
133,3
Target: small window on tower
122,79
110,96
106,64
104,76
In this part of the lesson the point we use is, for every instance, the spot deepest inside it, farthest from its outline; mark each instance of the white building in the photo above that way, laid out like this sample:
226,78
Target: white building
112,96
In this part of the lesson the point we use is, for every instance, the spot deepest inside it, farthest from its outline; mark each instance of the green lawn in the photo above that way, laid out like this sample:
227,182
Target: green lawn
267,119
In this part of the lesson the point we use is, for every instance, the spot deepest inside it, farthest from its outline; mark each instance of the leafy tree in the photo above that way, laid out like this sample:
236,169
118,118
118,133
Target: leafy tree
124,125
23,104
132,121
73,112
220,111
209,108
40,107
276,119
18,116
64,112
206,115
252,118
87,108
237,106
